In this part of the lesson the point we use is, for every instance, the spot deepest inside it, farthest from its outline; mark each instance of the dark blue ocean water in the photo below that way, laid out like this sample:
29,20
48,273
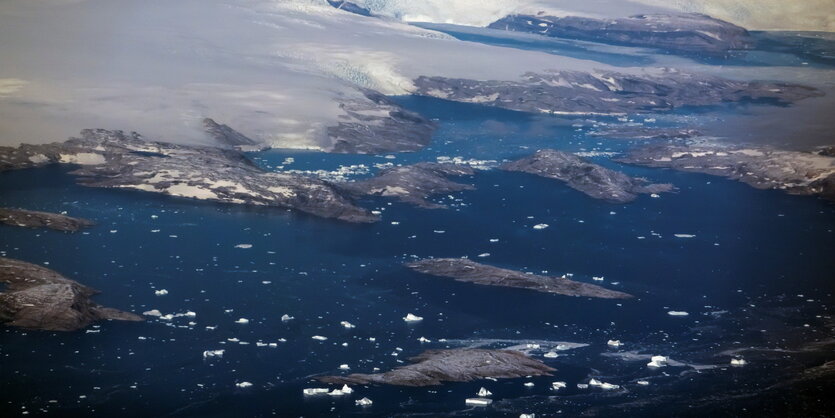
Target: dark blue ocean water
754,253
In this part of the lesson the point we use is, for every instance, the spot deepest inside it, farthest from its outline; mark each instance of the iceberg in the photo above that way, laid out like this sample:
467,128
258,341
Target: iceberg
557,385
412,318
614,343
677,313
285,318
602,385
483,392
550,354
242,321
244,246
319,338
540,226
152,312
243,385
344,367
161,292
347,324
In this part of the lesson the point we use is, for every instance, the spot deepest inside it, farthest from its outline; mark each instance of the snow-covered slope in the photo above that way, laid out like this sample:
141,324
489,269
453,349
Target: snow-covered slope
277,71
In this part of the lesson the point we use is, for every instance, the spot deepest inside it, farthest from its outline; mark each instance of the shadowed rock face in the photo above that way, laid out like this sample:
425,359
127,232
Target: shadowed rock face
350,7
228,137
594,180
413,184
114,159
464,270
679,33
379,125
575,92
434,367
34,219
39,298
795,172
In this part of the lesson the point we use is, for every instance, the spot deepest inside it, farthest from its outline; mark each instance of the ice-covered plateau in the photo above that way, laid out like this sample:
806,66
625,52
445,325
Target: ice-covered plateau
39,298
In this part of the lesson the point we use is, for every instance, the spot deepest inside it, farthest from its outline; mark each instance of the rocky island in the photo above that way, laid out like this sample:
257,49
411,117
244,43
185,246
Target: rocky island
434,367
39,298
608,92
413,184
34,219
796,172
594,180
114,159
377,125
684,33
464,270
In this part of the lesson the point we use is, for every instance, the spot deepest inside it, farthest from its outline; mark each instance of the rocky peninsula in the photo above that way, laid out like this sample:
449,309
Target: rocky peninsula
592,179
34,219
39,298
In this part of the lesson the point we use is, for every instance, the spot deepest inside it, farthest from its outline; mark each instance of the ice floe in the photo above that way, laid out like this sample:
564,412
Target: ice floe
152,312
684,235
550,354
540,226
603,385
347,324
243,385
161,292
242,321
244,246
677,313
315,391
319,338
478,401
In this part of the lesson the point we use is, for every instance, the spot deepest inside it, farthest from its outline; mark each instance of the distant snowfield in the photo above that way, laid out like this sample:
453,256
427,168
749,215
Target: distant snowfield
276,71
805,15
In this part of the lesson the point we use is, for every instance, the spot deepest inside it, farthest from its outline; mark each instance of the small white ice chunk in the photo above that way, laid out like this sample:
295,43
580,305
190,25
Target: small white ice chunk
243,385
285,318
657,361
347,324
161,292
540,226
363,402
242,321
244,246
213,353
614,343
557,385
550,354
319,338
738,362
677,313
